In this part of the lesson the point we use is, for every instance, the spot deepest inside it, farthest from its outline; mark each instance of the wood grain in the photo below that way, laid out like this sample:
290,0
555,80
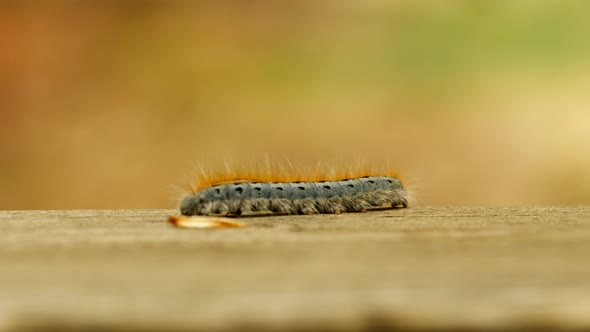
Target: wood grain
420,268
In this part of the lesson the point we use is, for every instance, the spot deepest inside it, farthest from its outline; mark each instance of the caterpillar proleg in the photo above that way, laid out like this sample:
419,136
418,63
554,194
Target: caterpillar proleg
243,194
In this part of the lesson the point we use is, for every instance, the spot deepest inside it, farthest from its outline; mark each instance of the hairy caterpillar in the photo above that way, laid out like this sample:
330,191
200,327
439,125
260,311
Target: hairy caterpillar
247,193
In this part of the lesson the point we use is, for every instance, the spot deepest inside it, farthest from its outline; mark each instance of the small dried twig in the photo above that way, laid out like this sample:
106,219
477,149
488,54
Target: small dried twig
203,222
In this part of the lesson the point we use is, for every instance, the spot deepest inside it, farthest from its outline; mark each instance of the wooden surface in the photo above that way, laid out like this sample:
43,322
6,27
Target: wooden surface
413,269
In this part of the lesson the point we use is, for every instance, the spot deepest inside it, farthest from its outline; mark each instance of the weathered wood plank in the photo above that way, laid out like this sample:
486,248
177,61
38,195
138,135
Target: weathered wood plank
416,268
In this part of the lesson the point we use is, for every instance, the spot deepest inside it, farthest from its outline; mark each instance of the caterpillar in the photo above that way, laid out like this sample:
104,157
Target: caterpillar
244,194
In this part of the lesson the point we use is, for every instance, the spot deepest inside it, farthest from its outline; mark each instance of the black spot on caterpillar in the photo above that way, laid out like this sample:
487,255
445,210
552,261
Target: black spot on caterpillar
298,197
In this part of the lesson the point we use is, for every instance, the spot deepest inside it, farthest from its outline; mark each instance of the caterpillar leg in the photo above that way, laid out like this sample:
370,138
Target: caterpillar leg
281,206
305,206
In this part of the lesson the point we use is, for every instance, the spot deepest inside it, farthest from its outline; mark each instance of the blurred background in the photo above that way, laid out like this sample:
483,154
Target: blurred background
109,104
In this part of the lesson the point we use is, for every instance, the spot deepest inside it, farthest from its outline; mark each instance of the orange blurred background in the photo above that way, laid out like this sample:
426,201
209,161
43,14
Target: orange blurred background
109,104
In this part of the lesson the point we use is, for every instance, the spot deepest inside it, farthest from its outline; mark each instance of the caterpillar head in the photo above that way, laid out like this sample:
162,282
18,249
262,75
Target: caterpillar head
191,205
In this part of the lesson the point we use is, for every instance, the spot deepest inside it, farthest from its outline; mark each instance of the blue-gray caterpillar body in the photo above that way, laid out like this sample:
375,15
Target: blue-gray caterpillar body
350,195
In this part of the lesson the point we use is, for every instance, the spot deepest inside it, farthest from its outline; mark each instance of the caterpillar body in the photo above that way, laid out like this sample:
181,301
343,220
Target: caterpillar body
232,196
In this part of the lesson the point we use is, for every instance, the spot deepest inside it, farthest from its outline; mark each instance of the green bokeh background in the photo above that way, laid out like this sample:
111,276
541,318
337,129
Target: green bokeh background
109,104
